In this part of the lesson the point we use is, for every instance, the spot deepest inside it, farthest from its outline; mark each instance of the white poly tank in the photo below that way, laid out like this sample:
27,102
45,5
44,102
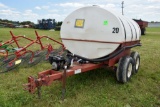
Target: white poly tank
94,32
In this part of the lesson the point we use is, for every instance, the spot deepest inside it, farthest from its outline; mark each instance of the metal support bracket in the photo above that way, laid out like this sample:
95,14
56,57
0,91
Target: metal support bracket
64,76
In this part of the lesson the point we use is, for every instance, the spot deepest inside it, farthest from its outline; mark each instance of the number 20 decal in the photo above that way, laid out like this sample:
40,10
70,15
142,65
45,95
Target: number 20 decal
115,30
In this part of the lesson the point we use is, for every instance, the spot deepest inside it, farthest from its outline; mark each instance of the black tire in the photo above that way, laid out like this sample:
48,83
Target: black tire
125,69
136,58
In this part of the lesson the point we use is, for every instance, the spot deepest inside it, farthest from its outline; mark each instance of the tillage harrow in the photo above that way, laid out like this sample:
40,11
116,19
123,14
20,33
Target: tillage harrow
11,56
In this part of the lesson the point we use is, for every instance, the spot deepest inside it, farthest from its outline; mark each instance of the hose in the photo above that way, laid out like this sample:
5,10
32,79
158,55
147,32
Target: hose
106,57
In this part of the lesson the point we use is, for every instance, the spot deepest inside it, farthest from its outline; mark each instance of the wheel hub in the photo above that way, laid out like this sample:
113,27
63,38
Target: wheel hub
129,70
137,63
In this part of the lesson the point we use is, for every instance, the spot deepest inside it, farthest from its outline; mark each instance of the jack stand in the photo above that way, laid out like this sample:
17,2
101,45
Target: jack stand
39,92
64,76
38,89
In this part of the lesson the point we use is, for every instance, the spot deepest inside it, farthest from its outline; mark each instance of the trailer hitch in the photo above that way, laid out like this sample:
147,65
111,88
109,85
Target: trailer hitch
43,79
46,78
32,84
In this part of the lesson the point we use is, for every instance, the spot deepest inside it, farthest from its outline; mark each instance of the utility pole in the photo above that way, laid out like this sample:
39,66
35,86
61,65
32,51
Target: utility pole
122,7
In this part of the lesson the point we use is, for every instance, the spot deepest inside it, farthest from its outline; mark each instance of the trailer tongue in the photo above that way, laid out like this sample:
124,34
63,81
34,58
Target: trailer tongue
49,76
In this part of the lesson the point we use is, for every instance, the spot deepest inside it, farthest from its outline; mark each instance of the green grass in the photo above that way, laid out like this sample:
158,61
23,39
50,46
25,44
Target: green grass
97,88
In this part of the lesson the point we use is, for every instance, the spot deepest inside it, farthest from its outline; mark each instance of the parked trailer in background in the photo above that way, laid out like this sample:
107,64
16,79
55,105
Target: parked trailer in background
142,24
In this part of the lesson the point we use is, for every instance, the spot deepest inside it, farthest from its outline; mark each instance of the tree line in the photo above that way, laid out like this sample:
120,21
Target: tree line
17,22
24,22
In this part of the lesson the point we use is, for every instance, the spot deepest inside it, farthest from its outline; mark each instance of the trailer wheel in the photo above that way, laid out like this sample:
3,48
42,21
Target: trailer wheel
136,58
125,69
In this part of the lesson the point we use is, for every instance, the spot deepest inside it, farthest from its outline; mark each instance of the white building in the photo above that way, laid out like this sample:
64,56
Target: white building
155,24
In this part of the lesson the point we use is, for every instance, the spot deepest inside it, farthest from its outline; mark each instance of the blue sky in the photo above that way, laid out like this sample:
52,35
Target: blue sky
32,10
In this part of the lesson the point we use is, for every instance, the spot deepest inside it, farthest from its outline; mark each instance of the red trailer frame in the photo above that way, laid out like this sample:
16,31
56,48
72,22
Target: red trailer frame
47,77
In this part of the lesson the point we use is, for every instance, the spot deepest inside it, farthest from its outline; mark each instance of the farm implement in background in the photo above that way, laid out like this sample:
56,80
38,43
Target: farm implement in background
13,57
8,51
